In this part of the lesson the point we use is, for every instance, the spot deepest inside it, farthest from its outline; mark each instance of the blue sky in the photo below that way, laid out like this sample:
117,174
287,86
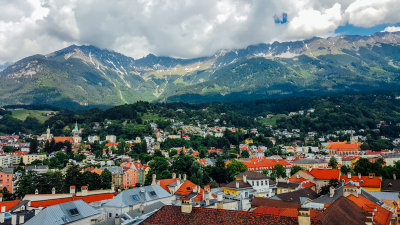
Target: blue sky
353,30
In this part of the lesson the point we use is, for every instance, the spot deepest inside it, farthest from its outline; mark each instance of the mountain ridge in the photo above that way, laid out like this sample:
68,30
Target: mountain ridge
87,75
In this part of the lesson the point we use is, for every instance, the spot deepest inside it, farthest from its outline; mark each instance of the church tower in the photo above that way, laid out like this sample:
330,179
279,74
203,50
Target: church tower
75,133
48,134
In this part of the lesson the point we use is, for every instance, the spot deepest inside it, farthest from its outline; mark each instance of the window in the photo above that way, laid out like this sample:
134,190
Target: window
135,197
73,212
153,193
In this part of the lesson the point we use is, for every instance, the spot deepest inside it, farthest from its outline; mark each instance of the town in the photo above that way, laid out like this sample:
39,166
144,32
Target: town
162,170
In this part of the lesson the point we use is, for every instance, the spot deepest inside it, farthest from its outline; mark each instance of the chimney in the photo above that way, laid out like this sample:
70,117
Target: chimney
237,185
84,190
298,176
186,205
244,178
331,191
112,188
179,176
1,197
141,208
153,182
14,219
21,219
117,220
173,175
72,189
3,208
1,218
93,221
36,191
371,175
53,190
220,201
195,189
310,169
359,176
304,217
348,175
394,176
184,177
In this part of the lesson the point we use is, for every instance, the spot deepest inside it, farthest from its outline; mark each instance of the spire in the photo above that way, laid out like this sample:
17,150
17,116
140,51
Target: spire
76,129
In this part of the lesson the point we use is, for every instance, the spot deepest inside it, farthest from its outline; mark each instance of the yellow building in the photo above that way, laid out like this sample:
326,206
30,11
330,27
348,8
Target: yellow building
284,187
28,159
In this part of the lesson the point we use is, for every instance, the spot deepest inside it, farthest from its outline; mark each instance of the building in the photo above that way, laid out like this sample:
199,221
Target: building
308,163
6,179
391,158
320,177
342,148
111,138
260,164
369,183
75,212
136,198
37,169
117,176
300,196
284,187
92,139
262,185
75,135
129,178
28,159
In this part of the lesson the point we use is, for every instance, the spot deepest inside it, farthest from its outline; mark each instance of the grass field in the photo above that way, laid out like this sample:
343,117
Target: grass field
272,121
151,117
38,114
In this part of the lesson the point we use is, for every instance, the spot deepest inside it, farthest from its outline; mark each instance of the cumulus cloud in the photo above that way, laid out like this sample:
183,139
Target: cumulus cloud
179,28
391,29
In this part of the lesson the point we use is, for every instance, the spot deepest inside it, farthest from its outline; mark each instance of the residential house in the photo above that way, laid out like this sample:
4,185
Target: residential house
6,179
130,178
284,187
117,176
28,159
136,198
111,138
37,169
308,163
391,158
300,196
369,183
75,212
320,176
262,185
263,163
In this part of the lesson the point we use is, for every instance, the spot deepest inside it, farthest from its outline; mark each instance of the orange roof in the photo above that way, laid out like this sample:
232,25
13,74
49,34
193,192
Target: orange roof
297,180
187,188
95,198
381,215
340,146
9,204
111,144
165,182
325,173
263,163
50,202
203,162
63,139
365,181
308,184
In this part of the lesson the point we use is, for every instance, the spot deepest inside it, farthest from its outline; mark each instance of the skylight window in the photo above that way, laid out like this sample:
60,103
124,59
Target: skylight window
73,212
135,197
153,193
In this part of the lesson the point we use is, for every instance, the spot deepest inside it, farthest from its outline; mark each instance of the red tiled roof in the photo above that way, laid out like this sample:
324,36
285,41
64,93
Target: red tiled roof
46,203
9,204
172,215
259,164
297,180
381,215
290,212
20,153
308,184
365,181
63,139
95,198
165,182
340,146
111,144
325,173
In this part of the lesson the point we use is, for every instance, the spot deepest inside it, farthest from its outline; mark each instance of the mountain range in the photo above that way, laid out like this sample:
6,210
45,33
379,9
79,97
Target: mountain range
89,76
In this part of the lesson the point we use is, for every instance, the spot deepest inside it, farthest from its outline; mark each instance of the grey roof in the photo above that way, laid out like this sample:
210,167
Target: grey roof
291,185
138,195
60,214
113,169
299,196
391,155
36,167
135,214
385,195
7,170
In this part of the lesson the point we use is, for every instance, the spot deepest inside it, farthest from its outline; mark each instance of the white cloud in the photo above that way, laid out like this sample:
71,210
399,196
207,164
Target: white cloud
391,29
180,28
